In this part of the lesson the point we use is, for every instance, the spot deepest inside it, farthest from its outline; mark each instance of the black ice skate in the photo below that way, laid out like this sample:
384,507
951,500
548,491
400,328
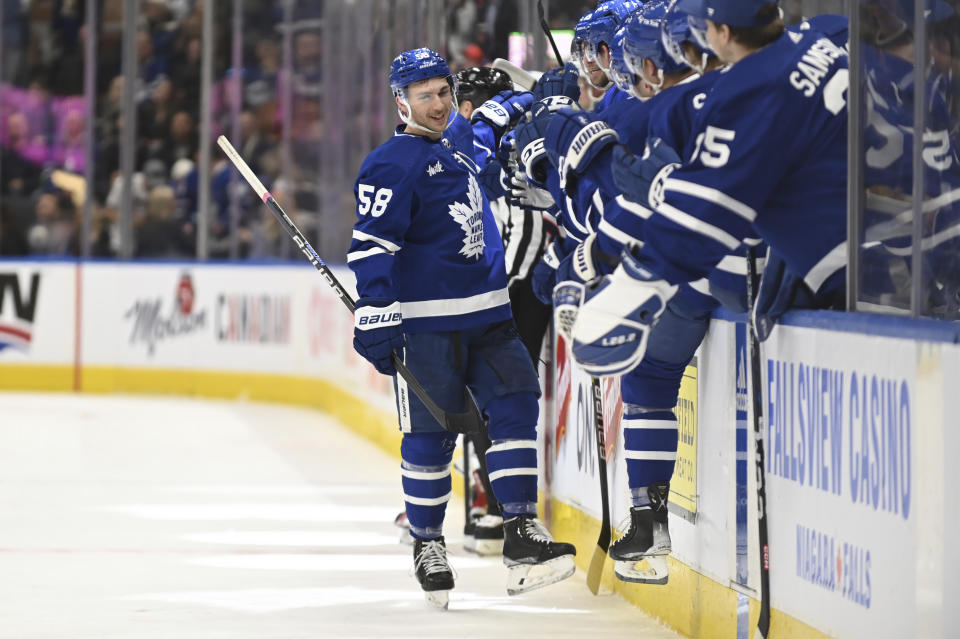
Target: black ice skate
484,535
641,553
433,571
533,558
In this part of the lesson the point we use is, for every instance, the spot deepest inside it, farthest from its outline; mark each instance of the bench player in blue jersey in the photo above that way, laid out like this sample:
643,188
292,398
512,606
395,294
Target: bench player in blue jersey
747,174
431,283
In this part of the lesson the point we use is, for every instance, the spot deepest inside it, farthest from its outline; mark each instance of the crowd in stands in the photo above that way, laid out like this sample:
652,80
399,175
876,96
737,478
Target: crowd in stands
43,116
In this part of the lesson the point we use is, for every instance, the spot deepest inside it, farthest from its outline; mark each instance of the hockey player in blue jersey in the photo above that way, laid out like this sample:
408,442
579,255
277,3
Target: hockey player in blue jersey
747,174
649,391
431,285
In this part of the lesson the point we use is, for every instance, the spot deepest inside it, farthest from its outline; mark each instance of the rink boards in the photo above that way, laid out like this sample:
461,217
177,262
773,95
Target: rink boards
859,431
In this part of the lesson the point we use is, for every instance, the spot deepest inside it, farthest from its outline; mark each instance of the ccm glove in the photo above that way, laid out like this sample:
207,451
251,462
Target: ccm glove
377,331
611,330
635,176
503,110
529,143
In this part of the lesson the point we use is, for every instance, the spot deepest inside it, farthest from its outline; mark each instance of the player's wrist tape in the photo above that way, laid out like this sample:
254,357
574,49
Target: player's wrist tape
587,142
492,112
371,317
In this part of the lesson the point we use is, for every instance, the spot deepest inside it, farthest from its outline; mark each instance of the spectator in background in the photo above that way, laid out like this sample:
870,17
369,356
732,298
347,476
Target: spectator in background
20,174
154,117
182,142
308,53
159,233
461,19
53,231
13,39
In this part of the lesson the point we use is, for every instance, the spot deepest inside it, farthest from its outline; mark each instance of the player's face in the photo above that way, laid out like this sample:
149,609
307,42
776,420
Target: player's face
430,103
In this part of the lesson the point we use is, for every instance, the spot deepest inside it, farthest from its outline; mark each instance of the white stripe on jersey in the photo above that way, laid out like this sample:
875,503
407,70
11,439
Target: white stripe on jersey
710,195
353,256
598,201
733,264
827,266
390,246
456,305
633,207
573,218
621,237
686,220
701,286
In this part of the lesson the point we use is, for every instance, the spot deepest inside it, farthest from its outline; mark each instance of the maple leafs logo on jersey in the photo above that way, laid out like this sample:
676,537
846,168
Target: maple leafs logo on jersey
470,218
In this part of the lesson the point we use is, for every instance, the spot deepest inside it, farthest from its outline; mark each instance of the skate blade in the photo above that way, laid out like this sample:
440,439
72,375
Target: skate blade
483,547
439,599
526,577
649,570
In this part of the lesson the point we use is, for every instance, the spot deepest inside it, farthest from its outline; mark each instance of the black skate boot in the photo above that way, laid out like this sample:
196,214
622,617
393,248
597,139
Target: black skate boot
433,571
641,553
533,558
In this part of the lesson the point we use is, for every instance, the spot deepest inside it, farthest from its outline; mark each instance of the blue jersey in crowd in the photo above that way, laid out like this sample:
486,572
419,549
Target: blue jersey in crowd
425,236
769,159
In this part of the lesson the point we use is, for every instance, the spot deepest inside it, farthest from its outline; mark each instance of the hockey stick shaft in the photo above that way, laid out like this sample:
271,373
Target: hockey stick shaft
546,30
756,391
595,570
467,422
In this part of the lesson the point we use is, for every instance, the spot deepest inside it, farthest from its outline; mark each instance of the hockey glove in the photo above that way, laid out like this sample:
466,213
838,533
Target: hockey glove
503,110
544,276
558,81
377,331
533,155
527,196
614,322
586,263
578,138
634,176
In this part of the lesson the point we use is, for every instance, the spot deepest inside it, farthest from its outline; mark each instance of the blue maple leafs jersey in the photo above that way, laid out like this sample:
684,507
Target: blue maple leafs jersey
769,160
425,236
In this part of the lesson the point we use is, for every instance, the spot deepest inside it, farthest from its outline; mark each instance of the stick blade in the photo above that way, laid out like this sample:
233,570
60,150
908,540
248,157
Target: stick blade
595,570
520,77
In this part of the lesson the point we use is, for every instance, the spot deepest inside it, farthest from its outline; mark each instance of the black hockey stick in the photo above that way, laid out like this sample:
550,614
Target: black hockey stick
763,623
468,421
595,570
546,30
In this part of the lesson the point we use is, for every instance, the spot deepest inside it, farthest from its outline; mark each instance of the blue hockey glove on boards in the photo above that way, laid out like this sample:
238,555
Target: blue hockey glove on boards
377,331
614,321
634,176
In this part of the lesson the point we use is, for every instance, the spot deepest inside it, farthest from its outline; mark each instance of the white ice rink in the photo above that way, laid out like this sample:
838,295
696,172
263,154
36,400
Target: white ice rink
146,517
